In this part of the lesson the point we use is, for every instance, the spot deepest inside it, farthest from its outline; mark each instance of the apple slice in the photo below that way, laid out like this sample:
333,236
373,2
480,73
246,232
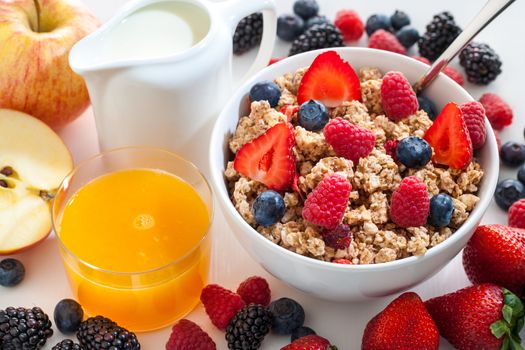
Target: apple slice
33,163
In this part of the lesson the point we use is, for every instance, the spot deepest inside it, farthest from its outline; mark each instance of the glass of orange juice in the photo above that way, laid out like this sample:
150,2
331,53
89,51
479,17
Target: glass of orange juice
132,226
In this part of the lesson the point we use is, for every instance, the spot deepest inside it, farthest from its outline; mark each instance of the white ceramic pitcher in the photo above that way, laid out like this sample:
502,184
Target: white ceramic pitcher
168,101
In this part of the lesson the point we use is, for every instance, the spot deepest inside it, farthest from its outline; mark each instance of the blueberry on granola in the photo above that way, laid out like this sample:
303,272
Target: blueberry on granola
313,115
413,152
266,91
428,106
268,208
288,315
441,210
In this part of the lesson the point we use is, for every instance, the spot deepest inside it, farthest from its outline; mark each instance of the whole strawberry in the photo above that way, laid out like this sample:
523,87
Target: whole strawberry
326,205
220,304
496,254
410,205
348,140
403,324
186,335
397,96
310,342
484,316
255,290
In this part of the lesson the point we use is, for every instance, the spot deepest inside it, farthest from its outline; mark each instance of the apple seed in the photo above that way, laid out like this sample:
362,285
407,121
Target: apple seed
7,171
3,183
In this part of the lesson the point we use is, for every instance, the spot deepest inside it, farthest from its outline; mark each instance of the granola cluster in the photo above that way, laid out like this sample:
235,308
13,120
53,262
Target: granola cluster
376,239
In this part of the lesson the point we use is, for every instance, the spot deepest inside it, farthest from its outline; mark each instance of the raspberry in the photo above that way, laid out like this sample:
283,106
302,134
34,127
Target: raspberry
338,238
326,205
186,335
498,111
383,40
348,140
517,214
342,261
398,99
391,147
451,72
410,205
474,116
220,304
255,290
350,25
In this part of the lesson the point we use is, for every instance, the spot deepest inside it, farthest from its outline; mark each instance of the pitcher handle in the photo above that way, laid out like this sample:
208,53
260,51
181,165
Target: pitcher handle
235,10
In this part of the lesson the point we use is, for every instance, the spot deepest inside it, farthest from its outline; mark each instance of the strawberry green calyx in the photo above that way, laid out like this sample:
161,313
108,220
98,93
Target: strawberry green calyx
510,326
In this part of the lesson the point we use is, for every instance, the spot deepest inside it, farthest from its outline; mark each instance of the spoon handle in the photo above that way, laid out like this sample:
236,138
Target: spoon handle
491,10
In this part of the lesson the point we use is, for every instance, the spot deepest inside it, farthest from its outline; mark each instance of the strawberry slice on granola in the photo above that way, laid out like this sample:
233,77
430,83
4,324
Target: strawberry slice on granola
450,139
269,158
330,80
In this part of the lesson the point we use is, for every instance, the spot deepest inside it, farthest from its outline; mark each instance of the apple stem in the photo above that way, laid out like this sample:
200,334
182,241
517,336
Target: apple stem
37,7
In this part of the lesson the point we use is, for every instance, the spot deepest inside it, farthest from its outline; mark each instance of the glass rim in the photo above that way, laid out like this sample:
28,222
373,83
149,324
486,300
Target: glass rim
129,148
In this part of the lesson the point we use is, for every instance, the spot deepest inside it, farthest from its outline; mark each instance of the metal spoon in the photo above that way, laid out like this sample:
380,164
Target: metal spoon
491,10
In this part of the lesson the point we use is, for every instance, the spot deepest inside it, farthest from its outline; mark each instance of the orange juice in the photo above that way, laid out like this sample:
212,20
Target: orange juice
135,247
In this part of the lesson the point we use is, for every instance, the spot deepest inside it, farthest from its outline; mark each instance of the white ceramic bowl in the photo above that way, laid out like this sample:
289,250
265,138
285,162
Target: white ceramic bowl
335,281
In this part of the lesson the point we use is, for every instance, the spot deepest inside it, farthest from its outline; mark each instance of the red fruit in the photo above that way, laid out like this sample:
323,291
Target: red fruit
186,335
474,116
255,290
410,205
404,324
450,139
275,60
338,238
498,111
348,140
473,318
326,205
220,304
342,261
310,342
269,158
397,96
330,80
350,25
391,148
517,214
383,40
496,254
289,111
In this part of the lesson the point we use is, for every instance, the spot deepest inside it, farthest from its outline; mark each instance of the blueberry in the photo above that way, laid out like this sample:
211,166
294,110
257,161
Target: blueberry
12,272
313,115
316,20
413,152
521,174
306,8
288,315
289,27
302,332
399,19
268,208
441,210
376,22
428,106
266,91
68,315
512,153
407,36
508,191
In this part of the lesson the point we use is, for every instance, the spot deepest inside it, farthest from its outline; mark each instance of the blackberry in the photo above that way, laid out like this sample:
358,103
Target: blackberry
67,344
22,328
98,333
319,36
248,33
441,32
481,63
248,327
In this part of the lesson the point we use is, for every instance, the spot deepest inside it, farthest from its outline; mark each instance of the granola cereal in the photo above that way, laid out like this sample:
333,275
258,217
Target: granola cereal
375,238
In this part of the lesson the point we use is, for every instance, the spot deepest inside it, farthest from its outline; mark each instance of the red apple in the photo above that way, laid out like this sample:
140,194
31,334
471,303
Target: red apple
33,163
36,37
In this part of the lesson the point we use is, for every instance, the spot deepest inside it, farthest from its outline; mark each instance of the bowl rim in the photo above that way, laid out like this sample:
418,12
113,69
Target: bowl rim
217,141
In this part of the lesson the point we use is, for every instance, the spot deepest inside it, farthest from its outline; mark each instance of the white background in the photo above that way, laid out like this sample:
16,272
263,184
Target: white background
343,324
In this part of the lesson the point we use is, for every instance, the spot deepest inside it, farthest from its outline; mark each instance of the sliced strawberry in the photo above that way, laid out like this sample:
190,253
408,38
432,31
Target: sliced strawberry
269,158
330,80
289,111
450,139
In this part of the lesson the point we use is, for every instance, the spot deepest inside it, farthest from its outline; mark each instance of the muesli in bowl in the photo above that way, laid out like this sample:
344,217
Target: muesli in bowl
352,168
